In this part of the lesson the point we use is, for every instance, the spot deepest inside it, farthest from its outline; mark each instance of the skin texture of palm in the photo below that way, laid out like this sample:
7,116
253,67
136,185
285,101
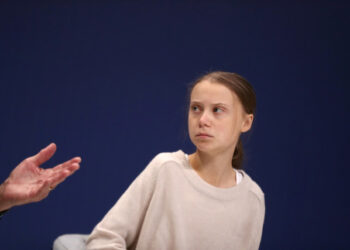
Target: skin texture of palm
29,183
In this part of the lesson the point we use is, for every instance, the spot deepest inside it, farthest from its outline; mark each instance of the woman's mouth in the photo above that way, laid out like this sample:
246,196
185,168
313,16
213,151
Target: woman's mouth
203,135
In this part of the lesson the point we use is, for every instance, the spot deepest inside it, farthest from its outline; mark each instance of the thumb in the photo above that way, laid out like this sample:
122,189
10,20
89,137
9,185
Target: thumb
45,154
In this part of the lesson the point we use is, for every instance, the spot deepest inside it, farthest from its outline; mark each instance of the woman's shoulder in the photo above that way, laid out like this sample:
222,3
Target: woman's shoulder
168,158
177,156
254,188
159,163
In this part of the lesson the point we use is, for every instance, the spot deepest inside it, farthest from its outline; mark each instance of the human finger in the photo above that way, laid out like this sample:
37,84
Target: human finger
59,176
45,154
67,164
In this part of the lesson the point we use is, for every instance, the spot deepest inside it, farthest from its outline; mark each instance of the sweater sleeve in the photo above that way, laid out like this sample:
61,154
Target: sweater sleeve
260,217
120,227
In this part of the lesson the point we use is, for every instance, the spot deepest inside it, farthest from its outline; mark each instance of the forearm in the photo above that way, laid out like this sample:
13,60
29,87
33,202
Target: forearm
102,239
120,227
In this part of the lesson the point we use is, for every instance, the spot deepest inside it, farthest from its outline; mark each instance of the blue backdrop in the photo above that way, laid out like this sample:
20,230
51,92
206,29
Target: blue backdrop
107,81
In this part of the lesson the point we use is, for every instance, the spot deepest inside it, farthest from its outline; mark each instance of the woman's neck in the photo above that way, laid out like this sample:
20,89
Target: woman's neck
216,170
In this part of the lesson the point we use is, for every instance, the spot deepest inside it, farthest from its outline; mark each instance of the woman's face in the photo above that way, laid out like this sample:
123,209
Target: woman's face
216,118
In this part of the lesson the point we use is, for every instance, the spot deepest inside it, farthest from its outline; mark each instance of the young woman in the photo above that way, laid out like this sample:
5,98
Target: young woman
199,201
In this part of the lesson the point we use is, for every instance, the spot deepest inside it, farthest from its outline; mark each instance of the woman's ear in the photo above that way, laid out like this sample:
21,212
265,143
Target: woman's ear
247,122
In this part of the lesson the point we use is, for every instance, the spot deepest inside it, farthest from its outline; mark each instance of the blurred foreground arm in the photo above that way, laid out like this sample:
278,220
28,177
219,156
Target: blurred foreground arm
29,183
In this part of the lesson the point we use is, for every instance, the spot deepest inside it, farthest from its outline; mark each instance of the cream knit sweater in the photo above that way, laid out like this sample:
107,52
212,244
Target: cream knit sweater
168,206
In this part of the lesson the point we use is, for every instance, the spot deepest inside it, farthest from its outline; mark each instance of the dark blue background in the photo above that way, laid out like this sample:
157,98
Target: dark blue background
107,81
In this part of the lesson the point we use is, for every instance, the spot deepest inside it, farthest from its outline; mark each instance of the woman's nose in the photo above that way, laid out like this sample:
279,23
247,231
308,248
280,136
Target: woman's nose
204,120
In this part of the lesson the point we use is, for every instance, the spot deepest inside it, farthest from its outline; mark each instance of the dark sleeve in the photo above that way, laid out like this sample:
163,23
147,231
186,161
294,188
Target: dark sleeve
3,212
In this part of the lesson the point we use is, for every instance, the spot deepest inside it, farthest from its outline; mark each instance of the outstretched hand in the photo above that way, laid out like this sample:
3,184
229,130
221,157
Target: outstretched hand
29,183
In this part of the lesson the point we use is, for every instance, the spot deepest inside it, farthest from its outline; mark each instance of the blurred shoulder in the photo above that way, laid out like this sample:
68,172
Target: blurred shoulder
163,162
254,188
168,158
164,157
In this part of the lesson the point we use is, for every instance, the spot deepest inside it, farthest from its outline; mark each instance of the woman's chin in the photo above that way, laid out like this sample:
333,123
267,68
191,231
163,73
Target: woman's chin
205,148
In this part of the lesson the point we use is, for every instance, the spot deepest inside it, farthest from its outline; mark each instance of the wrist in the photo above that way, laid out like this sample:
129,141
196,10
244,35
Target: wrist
5,204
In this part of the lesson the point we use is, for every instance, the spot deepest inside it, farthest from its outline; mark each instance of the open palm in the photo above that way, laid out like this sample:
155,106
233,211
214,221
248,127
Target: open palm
30,183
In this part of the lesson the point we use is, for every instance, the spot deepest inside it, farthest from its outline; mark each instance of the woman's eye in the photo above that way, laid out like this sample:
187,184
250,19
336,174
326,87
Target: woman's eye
217,110
195,108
